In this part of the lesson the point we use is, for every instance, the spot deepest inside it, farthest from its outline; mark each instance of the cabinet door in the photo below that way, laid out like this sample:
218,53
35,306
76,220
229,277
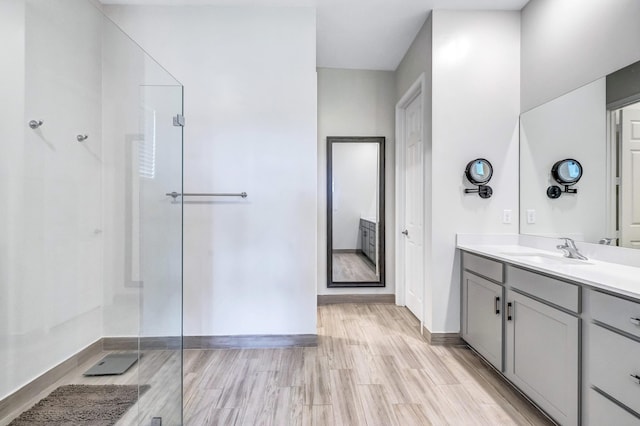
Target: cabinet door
482,317
364,241
372,244
542,355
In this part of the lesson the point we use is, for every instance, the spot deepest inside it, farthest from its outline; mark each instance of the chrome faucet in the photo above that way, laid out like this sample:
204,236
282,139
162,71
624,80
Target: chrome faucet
570,250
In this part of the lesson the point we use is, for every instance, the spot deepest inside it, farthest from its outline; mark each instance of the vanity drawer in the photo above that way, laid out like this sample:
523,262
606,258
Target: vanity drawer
616,312
604,412
613,361
483,266
558,292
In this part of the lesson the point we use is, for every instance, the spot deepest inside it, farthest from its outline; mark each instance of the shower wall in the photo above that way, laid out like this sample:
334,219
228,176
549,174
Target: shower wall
52,216
90,245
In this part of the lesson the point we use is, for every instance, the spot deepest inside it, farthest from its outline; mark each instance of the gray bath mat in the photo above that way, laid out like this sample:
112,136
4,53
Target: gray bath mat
81,405
113,364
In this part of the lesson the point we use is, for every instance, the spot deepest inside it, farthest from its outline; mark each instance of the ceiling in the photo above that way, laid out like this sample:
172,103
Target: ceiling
359,34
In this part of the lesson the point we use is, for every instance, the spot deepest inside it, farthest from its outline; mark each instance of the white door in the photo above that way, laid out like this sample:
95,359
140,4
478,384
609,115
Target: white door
630,179
413,208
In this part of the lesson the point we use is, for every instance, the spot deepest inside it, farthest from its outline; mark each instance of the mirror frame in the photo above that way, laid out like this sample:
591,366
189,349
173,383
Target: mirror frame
380,140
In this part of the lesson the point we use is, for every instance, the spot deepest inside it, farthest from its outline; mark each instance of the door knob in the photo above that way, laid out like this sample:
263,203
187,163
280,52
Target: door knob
405,232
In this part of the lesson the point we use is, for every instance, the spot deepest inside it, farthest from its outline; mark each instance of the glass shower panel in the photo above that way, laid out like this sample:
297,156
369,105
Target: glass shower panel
141,104
159,171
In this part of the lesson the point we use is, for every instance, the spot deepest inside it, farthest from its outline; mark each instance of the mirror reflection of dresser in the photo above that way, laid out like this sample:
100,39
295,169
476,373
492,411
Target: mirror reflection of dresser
367,233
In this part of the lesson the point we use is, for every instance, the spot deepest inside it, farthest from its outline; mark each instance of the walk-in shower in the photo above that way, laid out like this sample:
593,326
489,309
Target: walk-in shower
90,245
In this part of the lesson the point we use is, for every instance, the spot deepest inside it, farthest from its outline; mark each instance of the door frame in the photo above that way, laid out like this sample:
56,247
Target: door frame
613,158
416,90
612,212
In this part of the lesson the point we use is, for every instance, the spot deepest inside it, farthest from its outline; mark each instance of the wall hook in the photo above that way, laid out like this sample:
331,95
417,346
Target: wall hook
34,124
82,138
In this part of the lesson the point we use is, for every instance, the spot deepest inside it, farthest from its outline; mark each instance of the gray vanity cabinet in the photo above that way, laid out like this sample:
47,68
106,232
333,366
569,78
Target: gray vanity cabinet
482,317
542,355
368,239
526,325
613,360
604,412
482,306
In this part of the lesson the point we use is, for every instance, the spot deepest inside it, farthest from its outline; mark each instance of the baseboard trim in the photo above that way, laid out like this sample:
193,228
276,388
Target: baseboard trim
442,339
146,343
347,251
331,299
31,390
251,341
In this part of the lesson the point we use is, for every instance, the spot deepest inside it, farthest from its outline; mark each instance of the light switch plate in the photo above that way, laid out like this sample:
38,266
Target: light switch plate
531,216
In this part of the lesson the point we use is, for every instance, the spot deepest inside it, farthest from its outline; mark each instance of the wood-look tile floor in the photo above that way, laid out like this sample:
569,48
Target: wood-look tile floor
352,267
371,367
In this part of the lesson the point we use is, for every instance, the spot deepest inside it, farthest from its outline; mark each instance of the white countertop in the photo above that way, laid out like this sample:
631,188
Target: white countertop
613,277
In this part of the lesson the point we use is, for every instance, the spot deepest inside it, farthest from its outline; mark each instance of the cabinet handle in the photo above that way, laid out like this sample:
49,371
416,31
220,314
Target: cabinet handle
636,378
509,317
635,321
497,305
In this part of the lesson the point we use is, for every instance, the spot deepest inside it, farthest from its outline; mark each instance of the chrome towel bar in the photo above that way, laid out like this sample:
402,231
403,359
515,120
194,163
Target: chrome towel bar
206,194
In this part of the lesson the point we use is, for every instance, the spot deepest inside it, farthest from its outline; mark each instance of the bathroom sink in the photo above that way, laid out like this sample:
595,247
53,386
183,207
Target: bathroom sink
548,259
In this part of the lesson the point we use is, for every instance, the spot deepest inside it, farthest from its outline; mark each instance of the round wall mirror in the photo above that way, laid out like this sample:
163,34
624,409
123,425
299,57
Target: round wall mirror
567,172
479,171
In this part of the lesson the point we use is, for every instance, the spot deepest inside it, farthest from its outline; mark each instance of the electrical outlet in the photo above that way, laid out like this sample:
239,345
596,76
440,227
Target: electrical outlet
506,216
531,216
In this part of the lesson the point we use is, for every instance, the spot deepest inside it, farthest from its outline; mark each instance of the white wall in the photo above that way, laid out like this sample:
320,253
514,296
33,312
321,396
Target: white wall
569,43
356,103
355,190
50,258
475,114
250,266
571,126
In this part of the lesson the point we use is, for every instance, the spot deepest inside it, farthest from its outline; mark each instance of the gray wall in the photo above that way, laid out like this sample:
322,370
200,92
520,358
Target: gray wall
356,103
569,43
417,61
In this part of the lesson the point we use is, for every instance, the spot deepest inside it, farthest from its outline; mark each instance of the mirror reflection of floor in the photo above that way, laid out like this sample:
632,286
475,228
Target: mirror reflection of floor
353,267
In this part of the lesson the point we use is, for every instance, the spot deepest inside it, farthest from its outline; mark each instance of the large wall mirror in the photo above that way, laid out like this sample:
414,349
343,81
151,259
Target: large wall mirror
355,211
598,125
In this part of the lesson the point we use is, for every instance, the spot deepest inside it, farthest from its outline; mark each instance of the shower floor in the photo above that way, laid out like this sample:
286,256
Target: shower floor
161,369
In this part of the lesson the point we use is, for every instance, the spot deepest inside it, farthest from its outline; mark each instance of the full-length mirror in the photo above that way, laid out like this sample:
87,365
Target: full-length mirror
597,125
355,211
